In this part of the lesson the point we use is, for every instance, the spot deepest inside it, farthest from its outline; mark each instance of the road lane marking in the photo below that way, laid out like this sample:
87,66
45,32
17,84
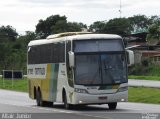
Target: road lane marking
41,108
88,115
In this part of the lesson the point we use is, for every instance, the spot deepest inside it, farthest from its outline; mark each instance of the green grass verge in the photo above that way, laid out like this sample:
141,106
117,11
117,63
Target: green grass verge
144,95
144,77
17,85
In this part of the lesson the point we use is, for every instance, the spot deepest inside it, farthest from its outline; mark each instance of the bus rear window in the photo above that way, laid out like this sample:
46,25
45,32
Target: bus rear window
98,45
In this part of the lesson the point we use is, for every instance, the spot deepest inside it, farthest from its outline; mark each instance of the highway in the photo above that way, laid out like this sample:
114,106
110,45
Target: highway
18,102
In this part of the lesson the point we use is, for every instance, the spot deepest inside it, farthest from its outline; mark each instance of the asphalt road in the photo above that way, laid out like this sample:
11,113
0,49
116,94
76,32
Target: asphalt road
144,83
16,103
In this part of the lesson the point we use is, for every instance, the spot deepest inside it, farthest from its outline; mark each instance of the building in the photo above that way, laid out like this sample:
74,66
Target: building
143,51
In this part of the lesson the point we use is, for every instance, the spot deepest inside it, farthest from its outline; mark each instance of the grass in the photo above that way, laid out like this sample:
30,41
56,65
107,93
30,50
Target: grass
145,77
144,95
17,84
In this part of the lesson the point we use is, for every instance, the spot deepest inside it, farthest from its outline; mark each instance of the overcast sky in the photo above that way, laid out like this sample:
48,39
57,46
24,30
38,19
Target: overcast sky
25,14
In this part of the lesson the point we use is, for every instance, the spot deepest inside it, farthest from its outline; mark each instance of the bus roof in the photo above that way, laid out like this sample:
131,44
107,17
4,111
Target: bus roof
66,34
73,37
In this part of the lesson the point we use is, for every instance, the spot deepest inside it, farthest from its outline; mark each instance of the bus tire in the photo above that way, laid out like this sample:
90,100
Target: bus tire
66,105
112,106
39,98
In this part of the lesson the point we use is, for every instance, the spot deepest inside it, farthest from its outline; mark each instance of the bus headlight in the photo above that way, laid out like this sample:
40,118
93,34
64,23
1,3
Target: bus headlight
78,90
121,89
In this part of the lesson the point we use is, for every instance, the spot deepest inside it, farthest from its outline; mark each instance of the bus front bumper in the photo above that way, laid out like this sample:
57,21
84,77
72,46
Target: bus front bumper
81,98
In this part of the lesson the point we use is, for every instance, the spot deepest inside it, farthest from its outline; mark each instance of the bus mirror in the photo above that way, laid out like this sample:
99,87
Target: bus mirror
71,58
130,57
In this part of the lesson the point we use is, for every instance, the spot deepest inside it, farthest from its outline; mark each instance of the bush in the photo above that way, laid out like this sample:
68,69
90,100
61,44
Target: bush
143,69
145,63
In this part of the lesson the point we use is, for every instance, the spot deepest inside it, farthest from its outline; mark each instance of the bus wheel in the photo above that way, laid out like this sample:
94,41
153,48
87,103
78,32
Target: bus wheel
39,98
112,106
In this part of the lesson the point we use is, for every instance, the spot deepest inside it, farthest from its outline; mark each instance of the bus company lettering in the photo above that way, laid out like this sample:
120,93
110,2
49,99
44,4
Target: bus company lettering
30,71
40,71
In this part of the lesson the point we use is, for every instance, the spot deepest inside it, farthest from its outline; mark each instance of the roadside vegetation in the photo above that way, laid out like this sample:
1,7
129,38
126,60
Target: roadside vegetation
144,95
16,85
149,70
146,71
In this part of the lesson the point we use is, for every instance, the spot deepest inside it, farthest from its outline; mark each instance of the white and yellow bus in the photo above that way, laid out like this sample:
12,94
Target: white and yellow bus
78,69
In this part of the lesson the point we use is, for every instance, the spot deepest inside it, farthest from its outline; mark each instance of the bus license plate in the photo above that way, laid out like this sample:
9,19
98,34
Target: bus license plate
103,98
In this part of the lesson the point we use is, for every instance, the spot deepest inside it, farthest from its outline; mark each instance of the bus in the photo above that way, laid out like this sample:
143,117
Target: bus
78,68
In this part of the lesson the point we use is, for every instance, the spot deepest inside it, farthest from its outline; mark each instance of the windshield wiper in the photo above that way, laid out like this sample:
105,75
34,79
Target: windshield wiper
107,69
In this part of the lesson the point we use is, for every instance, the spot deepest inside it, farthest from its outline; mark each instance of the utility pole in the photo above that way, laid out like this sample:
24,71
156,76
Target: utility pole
120,9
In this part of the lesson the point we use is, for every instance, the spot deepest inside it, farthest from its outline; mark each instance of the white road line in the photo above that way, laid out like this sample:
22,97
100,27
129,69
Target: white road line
88,115
41,108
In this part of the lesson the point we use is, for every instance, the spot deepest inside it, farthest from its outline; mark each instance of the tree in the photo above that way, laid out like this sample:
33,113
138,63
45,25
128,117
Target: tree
25,39
97,26
63,26
139,23
120,26
5,51
44,27
8,36
13,49
57,24
7,33
153,37
74,26
60,26
154,20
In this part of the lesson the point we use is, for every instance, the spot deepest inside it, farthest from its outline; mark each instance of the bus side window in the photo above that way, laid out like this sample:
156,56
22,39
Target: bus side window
61,47
31,54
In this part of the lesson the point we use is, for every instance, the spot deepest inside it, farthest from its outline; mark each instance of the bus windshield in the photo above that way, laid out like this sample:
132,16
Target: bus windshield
99,45
100,69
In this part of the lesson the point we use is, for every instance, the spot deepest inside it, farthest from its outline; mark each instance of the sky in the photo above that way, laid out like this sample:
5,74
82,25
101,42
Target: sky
23,15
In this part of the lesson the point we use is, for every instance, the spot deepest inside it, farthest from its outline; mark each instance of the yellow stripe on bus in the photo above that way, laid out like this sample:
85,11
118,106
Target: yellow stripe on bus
45,83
